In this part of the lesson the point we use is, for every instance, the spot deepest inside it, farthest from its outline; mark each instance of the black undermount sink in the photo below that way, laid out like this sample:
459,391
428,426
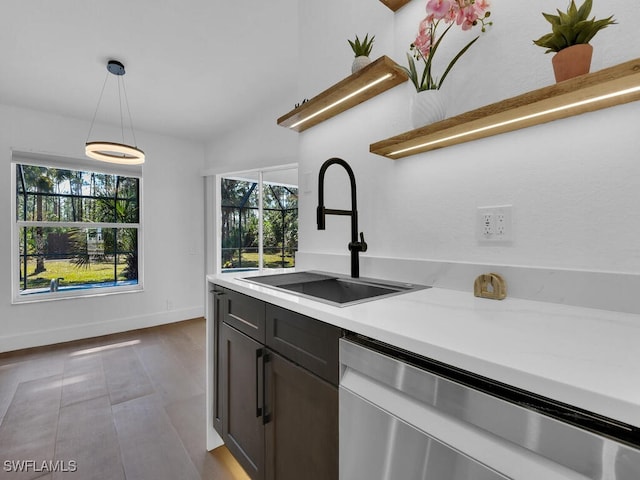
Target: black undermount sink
334,289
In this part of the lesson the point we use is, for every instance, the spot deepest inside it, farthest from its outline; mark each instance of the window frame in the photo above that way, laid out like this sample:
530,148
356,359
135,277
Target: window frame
51,161
245,175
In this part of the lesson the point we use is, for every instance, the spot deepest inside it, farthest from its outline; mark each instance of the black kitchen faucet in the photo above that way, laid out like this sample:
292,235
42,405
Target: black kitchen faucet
355,246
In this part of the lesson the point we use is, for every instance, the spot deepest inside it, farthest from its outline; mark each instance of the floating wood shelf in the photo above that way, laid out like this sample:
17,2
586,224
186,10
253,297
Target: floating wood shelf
586,93
395,4
375,78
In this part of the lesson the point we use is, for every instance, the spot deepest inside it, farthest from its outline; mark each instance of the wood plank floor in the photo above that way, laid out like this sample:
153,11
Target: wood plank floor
124,406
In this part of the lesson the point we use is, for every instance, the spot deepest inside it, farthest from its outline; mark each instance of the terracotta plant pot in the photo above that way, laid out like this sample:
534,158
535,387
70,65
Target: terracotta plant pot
572,61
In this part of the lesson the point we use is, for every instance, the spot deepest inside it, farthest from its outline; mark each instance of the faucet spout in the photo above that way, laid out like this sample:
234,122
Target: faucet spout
355,246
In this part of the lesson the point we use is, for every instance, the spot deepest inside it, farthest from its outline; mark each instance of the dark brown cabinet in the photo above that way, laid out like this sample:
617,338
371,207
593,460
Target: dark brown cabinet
276,389
242,384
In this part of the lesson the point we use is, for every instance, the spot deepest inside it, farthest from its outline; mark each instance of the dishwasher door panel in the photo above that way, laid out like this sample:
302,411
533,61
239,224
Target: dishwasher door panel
395,449
399,420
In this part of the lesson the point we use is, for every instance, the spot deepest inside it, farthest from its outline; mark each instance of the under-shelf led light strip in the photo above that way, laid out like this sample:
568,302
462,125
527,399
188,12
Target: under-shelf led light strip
343,99
519,119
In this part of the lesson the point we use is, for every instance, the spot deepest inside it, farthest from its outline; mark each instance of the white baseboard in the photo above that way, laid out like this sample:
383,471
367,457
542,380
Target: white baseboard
95,329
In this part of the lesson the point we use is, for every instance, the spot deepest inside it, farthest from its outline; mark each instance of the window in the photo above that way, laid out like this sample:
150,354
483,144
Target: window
76,232
259,220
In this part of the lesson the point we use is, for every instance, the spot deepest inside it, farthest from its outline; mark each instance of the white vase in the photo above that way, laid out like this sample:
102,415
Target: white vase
359,63
427,107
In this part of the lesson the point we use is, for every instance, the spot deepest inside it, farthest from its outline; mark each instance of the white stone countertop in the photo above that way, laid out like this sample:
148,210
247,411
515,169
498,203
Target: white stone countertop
584,357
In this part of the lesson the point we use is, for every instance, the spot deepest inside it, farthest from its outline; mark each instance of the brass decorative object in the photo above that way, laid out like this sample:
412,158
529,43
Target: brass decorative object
490,285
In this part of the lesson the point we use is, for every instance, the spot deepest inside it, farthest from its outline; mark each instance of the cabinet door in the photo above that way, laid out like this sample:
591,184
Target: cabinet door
218,303
302,428
242,369
245,314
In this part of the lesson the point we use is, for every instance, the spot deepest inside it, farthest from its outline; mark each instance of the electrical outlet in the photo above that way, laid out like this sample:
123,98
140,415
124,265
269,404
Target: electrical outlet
494,224
488,225
500,224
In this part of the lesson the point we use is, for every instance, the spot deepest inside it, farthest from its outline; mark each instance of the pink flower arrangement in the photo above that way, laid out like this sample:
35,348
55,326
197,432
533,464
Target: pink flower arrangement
464,13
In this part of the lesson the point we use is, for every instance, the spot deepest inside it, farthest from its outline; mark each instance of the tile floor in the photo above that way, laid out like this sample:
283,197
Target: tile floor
124,406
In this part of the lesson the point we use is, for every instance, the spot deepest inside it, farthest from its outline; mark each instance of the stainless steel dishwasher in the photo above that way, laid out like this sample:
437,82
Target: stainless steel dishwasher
405,417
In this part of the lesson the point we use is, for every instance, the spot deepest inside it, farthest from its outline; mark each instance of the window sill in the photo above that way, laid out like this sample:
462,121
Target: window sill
74,294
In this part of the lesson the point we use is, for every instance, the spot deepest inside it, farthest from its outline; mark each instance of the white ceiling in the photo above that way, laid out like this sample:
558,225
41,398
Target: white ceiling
192,66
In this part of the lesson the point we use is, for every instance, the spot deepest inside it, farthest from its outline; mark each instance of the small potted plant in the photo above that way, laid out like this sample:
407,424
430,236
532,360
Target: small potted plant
361,50
570,34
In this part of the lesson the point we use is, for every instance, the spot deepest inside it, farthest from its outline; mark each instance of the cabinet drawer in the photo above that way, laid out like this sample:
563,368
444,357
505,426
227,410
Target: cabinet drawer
245,314
305,341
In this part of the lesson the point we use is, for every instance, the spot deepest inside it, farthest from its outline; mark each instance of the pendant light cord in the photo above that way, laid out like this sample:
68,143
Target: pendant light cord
126,100
97,106
120,105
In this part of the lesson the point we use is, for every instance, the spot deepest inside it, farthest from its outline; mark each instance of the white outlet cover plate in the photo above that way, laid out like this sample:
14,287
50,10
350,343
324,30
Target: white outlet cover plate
494,224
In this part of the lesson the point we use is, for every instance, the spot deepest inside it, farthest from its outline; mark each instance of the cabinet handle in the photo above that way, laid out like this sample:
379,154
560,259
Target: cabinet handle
259,373
266,416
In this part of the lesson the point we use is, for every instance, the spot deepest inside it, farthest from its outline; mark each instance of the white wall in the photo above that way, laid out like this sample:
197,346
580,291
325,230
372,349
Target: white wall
573,183
173,237
256,142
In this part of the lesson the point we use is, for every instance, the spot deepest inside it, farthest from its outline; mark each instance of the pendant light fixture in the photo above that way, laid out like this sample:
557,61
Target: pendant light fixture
114,152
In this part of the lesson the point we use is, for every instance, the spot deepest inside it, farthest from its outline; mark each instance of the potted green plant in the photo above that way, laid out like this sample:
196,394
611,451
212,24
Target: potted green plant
361,50
570,34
